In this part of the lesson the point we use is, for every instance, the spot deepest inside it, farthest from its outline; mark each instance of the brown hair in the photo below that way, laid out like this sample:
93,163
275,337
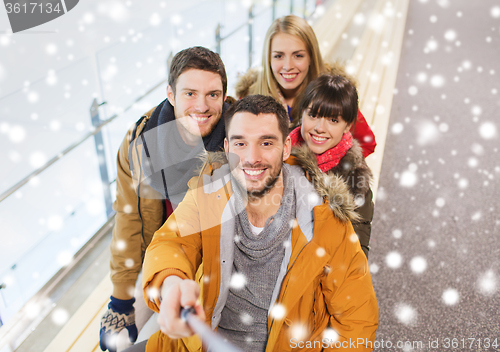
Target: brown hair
259,104
298,27
198,58
331,96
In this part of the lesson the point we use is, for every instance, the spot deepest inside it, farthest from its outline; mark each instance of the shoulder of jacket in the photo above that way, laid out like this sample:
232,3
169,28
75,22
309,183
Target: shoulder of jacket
138,126
327,185
353,164
245,81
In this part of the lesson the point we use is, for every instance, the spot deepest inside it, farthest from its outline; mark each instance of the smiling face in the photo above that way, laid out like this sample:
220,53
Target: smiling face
322,133
256,151
197,103
290,62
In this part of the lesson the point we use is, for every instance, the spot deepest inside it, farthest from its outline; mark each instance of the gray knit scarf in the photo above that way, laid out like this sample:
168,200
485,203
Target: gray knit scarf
258,258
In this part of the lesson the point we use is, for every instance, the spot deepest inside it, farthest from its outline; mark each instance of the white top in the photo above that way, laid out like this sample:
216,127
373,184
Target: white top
255,230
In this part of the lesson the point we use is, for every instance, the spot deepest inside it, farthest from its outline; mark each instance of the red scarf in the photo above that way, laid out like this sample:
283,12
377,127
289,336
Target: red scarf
331,158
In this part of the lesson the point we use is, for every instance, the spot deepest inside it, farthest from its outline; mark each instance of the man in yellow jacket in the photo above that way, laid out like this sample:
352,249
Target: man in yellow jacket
281,271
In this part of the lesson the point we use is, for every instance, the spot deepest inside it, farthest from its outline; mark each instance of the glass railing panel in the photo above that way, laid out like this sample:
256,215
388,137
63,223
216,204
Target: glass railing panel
128,70
282,8
38,122
46,222
261,22
235,14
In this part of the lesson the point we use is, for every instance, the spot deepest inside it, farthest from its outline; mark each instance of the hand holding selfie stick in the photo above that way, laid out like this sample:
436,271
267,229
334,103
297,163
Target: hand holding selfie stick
208,337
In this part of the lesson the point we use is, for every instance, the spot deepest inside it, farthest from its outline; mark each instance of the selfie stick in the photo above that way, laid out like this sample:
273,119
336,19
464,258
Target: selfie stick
209,338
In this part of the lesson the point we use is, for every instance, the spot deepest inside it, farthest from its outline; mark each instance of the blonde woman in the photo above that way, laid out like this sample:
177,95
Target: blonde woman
291,59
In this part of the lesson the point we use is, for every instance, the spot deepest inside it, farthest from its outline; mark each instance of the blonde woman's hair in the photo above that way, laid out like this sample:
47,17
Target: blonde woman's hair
266,84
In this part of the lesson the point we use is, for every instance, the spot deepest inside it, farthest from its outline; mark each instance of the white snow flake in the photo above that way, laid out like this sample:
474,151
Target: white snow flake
477,216
477,149
359,19
121,245
153,293
437,81
413,90
487,283
406,314
37,159
330,335
440,202
246,318
450,35
427,132
443,127
109,72
397,128
238,281
397,233
488,130
155,19
422,77
55,223
129,263
55,125
88,18
476,110
472,162
408,179
495,12
34,181
64,258
298,331
381,194
374,268
432,45
450,297
320,252
393,260
94,206
5,40
17,133
33,97
176,19
32,310
51,49
444,3
115,10
278,311
418,265
60,316
466,65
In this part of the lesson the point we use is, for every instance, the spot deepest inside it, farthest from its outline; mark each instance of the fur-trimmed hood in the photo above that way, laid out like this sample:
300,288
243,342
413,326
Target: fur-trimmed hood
351,175
330,186
352,168
245,81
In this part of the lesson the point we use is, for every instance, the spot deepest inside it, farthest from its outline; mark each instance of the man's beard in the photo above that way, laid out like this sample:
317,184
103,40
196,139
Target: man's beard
269,183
